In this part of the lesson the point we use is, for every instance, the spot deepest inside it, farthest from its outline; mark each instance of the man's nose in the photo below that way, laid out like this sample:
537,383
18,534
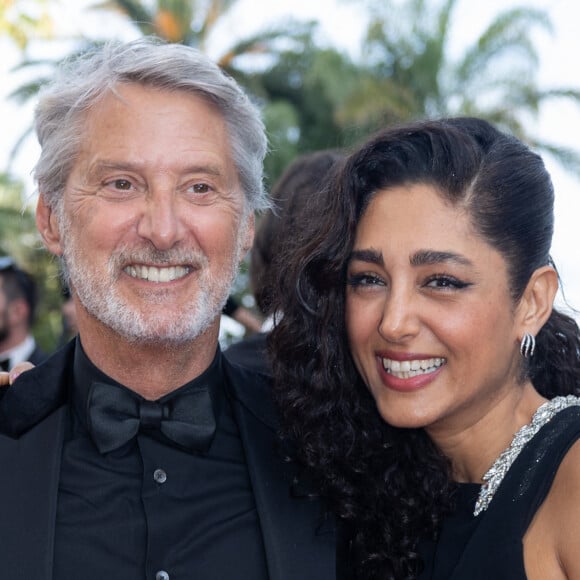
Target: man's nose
160,222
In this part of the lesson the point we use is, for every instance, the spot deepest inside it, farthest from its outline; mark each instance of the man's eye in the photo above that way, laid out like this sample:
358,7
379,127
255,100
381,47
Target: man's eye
123,184
200,188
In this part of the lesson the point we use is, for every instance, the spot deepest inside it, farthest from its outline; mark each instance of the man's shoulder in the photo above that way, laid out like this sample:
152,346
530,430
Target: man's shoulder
251,389
36,394
37,355
250,353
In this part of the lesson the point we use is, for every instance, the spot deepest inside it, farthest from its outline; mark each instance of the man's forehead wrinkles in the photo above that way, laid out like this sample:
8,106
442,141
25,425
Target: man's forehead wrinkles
104,165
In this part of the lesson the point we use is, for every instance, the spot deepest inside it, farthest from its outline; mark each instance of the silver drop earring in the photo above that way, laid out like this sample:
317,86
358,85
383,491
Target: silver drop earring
528,345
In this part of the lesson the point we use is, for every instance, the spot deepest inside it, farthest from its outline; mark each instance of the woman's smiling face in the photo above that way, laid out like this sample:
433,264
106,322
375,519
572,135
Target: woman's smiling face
430,319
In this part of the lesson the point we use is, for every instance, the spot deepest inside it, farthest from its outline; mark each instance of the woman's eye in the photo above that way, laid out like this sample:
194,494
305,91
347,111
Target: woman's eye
446,282
357,280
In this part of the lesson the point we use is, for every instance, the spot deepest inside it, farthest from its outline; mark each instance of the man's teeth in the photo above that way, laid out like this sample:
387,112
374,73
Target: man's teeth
156,274
406,369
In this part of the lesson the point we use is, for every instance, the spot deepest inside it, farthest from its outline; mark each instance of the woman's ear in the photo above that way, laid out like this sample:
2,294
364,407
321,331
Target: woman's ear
537,302
47,224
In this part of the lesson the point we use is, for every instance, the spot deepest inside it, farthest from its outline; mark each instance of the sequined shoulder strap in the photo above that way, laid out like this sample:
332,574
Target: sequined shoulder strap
495,549
495,475
528,481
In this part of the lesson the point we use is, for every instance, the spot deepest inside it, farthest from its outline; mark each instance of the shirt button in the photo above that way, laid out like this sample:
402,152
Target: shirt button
162,575
160,477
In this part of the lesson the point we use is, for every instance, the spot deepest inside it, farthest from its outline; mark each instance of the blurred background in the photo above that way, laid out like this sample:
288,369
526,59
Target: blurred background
326,74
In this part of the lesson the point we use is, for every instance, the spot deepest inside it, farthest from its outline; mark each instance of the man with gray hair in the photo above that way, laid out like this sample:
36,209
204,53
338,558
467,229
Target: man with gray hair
138,451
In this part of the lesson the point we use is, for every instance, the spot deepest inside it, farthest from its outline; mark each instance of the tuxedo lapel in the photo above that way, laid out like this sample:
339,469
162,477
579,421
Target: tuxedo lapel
29,483
297,545
33,414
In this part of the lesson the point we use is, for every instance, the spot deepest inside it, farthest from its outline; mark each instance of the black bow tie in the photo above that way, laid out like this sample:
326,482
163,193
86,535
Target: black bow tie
116,415
5,364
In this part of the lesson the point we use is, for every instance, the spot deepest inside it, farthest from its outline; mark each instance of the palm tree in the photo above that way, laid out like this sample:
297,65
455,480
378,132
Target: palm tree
187,22
20,24
191,22
183,21
413,74
303,93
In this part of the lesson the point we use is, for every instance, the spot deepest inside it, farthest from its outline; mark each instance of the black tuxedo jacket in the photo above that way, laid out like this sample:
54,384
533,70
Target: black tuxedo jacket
37,356
250,353
34,414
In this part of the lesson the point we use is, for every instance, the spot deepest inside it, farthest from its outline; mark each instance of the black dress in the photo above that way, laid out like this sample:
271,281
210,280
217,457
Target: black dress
489,546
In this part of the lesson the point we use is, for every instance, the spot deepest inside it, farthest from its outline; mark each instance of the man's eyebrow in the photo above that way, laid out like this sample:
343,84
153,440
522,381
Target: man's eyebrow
430,257
108,165
368,255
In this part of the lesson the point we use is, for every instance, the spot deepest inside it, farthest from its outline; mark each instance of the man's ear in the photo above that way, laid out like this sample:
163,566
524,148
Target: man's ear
48,226
537,302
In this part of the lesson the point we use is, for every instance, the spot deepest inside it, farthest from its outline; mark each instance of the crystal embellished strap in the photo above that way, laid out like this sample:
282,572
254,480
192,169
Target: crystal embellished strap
498,470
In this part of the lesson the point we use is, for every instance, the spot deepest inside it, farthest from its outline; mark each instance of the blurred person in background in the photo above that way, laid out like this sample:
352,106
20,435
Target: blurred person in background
291,196
18,302
242,315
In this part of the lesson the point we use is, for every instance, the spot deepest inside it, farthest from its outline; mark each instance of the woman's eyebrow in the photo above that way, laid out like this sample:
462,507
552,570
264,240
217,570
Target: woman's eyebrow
368,255
429,257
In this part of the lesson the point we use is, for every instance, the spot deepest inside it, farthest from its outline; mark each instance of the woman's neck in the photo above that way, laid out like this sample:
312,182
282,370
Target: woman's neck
474,447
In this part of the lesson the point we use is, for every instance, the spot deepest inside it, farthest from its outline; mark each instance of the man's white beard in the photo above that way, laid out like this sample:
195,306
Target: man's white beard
160,323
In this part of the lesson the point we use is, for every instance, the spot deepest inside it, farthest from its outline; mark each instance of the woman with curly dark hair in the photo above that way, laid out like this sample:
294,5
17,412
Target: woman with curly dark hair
426,383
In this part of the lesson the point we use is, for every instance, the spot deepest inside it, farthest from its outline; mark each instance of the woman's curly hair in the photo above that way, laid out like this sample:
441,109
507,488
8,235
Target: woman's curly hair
390,486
